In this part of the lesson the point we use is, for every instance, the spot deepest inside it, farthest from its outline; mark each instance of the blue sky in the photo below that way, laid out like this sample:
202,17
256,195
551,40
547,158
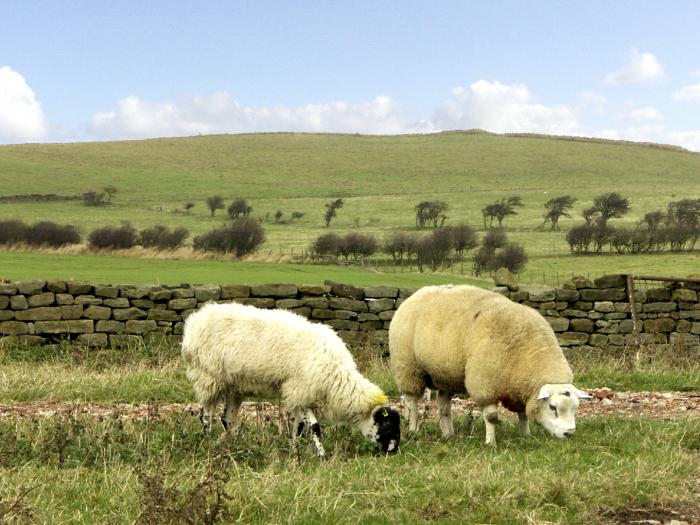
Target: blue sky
111,70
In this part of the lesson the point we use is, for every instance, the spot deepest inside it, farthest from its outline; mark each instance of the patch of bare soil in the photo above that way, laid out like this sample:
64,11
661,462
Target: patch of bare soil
605,401
653,516
660,405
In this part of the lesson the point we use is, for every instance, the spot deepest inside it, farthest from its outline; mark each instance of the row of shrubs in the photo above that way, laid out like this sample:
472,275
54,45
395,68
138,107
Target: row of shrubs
126,236
442,247
54,235
43,233
242,236
593,238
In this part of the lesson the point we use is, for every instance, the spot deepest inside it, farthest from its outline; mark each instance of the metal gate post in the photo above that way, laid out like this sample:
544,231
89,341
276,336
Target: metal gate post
633,309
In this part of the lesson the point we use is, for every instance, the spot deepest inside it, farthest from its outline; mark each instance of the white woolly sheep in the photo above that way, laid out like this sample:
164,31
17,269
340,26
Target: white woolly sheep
233,351
464,339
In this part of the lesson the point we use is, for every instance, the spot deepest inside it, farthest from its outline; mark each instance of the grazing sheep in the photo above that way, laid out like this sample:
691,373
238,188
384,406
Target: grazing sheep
234,351
463,339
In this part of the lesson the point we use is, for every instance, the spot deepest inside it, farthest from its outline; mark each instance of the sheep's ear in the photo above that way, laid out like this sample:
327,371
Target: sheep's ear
544,393
582,395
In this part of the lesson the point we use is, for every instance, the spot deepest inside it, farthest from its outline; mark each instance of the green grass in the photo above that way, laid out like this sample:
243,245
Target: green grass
381,179
75,468
160,470
154,373
19,266
651,370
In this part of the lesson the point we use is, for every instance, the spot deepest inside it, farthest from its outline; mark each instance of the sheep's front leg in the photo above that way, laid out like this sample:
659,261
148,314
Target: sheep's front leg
230,415
444,405
524,425
411,411
306,418
490,415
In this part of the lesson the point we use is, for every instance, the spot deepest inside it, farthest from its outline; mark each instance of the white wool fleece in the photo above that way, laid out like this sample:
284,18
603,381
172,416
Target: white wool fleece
250,351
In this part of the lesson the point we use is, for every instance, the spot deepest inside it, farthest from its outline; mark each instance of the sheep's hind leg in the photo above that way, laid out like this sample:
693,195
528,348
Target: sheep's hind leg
524,425
306,418
230,415
490,415
411,411
205,413
444,405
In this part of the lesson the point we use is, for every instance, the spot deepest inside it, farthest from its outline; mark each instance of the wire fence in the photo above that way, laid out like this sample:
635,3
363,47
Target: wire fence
655,288
450,265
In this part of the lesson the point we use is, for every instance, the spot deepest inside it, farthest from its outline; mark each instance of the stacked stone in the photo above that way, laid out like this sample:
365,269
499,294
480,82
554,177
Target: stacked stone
582,313
104,315
585,313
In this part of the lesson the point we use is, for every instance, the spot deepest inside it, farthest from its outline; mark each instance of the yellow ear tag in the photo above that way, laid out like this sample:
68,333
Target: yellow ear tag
379,399
385,413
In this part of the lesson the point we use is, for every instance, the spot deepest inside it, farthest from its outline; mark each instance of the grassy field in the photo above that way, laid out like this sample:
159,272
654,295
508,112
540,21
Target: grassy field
154,373
121,269
381,179
72,467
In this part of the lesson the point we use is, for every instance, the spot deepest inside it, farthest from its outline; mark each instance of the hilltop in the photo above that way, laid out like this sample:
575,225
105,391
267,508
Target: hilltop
380,179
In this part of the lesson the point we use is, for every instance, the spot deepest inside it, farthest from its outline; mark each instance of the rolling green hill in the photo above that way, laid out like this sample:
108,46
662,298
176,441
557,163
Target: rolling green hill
380,178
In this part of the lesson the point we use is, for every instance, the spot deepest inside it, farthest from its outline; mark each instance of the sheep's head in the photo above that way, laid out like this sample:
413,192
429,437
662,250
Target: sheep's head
383,427
555,408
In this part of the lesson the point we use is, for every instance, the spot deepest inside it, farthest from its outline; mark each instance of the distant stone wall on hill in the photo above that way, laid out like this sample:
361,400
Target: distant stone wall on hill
582,313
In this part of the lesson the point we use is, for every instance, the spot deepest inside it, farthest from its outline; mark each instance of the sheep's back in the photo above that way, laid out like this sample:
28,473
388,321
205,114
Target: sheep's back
238,344
449,330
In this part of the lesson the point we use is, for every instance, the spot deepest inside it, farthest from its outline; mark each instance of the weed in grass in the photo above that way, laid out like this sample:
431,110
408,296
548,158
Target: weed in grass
205,502
16,509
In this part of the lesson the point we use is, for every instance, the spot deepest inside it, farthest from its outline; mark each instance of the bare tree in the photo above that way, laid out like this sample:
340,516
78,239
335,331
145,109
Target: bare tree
92,198
499,210
463,238
110,191
326,245
496,252
685,211
332,210
431,212
610,206
241,237
215,202
654,219
555,209
397,245
239,208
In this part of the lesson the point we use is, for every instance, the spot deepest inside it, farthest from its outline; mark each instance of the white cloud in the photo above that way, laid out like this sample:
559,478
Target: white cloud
589,101
491,106
686,139
655,133
691,92
220,113
642,67
642,115
21,116
501,108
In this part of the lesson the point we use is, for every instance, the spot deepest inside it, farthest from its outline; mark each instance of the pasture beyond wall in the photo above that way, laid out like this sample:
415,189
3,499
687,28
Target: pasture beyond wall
583,313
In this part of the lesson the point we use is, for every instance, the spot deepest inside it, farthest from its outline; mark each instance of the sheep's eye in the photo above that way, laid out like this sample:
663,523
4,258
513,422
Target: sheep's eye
554,409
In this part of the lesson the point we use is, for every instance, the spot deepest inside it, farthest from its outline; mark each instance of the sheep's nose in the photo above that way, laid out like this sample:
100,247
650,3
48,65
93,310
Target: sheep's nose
569,433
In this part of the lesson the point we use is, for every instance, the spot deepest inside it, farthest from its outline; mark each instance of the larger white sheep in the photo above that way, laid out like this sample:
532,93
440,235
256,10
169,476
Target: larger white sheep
233,351
464,339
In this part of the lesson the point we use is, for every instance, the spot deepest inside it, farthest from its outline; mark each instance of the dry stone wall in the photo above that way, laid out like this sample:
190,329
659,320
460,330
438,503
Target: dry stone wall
582,313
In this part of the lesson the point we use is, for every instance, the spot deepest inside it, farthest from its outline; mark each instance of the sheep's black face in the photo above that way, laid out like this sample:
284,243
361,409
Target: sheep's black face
387,423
